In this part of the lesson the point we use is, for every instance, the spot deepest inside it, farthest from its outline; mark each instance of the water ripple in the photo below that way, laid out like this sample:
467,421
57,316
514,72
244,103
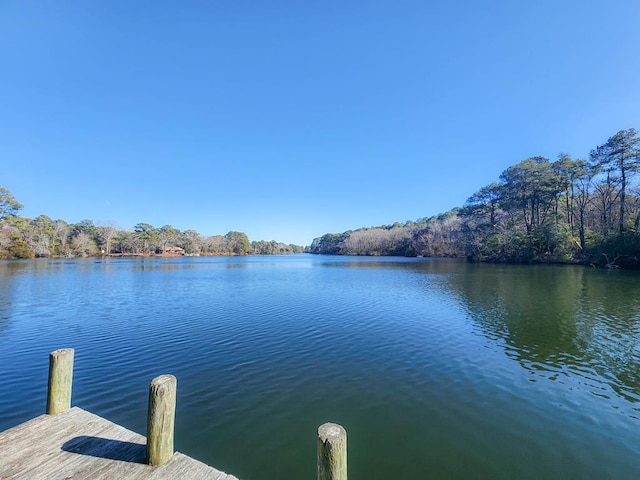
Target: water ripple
469,369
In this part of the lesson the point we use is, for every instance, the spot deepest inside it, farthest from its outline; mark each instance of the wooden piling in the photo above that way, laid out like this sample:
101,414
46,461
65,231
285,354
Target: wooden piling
60,381
332,452
161,419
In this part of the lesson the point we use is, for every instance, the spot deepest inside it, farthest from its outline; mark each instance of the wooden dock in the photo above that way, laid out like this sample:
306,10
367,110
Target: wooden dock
77,444
70,443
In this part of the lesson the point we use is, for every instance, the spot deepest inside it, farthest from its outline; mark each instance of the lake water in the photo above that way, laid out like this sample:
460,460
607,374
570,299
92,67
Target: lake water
436,368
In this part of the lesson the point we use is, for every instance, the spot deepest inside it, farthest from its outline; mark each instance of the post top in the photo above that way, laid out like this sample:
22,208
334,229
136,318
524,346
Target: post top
163,379
63,351
329,430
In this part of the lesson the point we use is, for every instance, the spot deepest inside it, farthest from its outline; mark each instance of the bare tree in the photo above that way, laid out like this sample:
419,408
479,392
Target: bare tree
62,231
83,244
107,234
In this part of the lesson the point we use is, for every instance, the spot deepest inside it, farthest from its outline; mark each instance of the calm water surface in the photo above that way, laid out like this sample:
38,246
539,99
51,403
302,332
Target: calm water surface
437,368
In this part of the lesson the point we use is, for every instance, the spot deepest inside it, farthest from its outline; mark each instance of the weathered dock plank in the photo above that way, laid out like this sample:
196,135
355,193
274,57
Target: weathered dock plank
77,444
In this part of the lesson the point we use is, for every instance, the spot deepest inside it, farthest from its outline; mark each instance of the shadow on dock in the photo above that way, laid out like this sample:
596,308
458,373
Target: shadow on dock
107,448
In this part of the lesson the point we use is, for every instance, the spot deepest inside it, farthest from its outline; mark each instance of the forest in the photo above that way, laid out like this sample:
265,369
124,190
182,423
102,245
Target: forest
22,237
538,211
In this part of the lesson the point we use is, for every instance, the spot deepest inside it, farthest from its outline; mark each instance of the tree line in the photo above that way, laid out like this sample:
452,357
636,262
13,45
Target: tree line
563,211
42,236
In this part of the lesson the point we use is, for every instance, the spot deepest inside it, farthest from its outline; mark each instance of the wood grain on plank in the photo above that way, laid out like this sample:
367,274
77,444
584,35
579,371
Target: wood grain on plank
77,445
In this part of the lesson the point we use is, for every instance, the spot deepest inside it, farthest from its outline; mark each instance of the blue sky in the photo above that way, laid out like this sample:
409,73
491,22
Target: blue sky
288,120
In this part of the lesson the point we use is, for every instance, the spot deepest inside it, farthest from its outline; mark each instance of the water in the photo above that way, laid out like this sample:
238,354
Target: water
436,368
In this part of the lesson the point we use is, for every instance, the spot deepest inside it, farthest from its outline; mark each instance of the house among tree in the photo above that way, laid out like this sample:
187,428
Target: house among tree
170,251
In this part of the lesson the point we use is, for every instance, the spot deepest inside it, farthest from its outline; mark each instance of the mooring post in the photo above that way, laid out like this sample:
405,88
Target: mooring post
332,452
161,419
60,381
